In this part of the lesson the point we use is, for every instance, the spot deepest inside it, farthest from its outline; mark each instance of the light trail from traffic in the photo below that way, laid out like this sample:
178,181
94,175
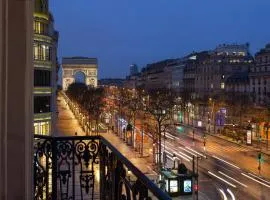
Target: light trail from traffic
255,180
226,162
259,178
223,194
231,193
225,181
232,179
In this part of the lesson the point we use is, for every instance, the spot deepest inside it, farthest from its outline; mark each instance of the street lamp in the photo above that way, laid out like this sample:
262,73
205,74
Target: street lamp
249,134
142,132
174,159
204,143
193,139
233,131
266,128
209,121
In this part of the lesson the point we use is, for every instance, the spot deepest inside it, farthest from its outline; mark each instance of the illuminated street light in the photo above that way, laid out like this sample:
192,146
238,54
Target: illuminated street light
266,128
249,134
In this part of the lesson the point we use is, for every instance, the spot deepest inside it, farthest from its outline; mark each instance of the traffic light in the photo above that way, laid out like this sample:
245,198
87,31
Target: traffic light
196,188
260,157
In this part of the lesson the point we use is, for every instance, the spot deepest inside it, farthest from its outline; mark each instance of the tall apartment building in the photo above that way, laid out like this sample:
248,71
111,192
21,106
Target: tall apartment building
260,77
45,68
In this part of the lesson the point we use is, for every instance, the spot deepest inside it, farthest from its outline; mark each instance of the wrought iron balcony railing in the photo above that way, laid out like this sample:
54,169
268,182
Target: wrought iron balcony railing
87,167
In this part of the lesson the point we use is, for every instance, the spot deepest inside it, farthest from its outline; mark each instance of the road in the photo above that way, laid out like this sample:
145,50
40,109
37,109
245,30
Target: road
226,170
216,166
219,176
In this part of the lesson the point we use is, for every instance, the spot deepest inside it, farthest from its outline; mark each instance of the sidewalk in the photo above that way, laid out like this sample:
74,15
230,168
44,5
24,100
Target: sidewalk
67,125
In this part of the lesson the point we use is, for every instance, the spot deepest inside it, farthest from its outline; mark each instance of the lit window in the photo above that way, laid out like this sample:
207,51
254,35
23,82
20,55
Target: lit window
36,53
241,53
42,128
222,85
42,52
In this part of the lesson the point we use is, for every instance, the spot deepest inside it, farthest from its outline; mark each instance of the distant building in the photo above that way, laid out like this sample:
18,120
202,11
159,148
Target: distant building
215,67
132,81
176,78
260,77
133,70
79,69
232,49
155,75
191,72
118,82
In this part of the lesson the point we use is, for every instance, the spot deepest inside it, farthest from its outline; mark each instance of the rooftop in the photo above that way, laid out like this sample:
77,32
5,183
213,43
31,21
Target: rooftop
79,60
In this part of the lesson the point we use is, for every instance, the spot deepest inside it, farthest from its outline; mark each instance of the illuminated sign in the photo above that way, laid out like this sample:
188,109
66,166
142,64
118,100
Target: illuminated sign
187,186
173,186
199,123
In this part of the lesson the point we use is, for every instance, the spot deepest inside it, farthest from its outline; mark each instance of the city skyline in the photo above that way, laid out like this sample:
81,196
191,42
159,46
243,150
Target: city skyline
122,33
194,127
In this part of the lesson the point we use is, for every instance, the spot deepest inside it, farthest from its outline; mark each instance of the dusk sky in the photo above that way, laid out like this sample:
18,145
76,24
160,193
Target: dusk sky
122,32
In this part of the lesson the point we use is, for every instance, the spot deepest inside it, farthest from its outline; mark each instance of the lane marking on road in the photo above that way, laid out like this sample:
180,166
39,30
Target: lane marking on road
184,156
255,180
226,162
170,157
259,178
169,136
232,179
188,151
223,194
196,152
231,193
225,181
172,136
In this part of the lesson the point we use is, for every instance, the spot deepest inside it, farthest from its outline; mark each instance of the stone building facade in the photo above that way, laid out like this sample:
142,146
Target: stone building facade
45,69
217,66
260,77
86,67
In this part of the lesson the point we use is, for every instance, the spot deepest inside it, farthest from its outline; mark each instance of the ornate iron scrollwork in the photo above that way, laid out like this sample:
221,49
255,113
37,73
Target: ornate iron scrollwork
85,168
42,165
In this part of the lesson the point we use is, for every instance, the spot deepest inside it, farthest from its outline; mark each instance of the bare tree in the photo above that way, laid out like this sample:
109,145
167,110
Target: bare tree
135,104
161,103
121,99
94,104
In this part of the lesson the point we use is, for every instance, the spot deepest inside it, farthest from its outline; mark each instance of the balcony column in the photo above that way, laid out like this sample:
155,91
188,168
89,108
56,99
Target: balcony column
16,84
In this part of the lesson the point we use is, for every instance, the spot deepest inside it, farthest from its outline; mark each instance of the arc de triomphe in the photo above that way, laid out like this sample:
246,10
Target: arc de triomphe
72,65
